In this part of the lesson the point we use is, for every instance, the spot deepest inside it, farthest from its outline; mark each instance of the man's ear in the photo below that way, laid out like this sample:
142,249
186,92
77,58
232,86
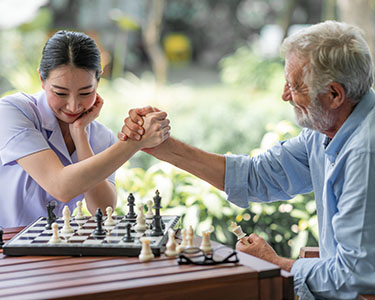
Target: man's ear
336,94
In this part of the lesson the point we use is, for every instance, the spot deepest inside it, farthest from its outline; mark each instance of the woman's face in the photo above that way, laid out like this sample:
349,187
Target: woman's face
70,91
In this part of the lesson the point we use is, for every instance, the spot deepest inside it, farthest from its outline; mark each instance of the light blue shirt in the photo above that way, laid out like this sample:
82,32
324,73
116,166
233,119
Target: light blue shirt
28,125
342,177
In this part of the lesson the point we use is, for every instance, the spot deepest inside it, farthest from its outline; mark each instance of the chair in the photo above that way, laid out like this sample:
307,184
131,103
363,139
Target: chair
309,252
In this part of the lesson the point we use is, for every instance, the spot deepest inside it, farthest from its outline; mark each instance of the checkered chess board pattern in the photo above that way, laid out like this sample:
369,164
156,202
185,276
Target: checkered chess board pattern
33,240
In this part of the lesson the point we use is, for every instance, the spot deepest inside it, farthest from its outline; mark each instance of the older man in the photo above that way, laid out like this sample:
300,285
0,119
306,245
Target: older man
329,73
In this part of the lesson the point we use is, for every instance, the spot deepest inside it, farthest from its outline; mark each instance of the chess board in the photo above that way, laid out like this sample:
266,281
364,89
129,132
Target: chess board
33,240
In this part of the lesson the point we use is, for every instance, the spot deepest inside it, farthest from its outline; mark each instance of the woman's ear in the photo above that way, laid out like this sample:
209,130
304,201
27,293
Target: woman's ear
41,80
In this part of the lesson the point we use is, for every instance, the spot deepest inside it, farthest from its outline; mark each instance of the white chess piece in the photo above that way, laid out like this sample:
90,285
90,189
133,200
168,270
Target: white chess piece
171,245
79,215
206,243
141,219
55,239
66,216
109,221
190,236
146,252
184,243
237,230
149,214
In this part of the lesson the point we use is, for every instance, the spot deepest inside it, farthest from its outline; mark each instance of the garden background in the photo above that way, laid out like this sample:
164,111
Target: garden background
212,65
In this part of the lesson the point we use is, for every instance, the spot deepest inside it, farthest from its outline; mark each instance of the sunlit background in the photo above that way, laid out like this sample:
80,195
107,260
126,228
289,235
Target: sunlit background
212,65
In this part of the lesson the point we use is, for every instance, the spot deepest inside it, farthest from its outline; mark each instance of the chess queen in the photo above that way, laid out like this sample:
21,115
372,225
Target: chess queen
51,146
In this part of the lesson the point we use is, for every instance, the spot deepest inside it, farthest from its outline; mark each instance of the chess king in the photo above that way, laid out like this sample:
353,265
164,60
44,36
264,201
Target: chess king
52,147
328,79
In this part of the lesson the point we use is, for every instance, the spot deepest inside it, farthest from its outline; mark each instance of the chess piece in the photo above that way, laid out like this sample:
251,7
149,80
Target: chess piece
157,227
99,231
237,230
109,221
1,238
171,245
184,243
128,236
141,219
66,216
131,215
55,239
149,214
79,215
51,217
206,243
146,252
190,236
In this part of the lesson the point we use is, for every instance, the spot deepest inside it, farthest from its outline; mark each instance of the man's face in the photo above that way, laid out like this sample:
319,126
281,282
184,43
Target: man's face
309,112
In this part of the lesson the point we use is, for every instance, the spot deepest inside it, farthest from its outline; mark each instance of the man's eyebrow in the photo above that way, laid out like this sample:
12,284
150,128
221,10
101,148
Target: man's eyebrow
64,88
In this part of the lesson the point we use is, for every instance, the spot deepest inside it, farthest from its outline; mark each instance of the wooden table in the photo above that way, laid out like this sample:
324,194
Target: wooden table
63,277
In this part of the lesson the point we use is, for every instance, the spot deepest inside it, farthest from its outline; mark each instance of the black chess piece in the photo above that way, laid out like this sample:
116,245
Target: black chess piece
99,231
131,215
1,238
128,237
157,225
51,217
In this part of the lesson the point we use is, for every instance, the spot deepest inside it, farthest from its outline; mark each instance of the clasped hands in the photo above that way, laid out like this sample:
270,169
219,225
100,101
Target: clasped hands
144,121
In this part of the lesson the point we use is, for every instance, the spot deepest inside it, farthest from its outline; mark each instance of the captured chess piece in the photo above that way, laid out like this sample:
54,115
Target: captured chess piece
99,231
66,216
51,217
79,215
237,230
146,252
206,243
171,245
1,237
131,215
109,221
140,227
157,226
184,242
55,239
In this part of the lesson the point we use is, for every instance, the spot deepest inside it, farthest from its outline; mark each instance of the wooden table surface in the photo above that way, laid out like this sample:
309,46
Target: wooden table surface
64,277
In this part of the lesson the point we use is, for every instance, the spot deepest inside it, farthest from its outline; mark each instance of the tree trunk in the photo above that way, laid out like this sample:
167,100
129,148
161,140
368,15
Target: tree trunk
151,38
362,14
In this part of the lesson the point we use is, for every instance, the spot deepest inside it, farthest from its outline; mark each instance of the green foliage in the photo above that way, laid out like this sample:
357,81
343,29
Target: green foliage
246,67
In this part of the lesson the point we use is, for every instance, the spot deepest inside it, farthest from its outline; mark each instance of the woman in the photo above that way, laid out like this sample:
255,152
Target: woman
50,145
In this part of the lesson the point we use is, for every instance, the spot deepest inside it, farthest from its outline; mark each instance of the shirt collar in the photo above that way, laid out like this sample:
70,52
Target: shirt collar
351,123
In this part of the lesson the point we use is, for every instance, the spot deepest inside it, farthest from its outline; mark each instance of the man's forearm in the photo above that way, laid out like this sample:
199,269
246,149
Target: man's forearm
207,166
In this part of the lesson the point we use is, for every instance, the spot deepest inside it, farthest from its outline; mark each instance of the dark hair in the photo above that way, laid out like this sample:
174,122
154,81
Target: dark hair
70,48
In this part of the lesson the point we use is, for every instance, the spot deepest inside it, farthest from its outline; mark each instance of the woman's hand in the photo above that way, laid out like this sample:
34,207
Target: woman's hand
78,127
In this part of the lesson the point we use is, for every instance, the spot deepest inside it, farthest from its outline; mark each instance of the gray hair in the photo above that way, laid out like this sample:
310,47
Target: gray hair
334,51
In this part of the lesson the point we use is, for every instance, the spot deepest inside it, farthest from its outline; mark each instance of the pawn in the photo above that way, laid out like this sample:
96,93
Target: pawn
66,216
109,221
171,245
184,243
55,239
79,215
146,252
141,219
206,243
190,236
149,214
